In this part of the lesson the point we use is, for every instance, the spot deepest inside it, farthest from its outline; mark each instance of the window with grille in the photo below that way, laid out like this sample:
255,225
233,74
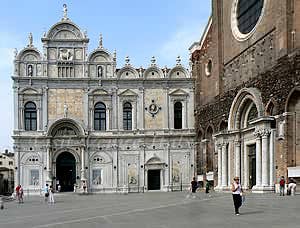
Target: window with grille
30,116
178,115
127,116
100,117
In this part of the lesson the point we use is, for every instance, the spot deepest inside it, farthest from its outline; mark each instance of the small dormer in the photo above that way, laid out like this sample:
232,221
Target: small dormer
28,60
101,62
153,72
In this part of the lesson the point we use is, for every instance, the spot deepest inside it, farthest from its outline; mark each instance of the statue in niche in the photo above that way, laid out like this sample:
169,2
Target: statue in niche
29,70
65,55
99,71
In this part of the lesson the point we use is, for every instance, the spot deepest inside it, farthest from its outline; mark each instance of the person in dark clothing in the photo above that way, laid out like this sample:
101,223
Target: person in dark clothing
194,185
207,187
237,190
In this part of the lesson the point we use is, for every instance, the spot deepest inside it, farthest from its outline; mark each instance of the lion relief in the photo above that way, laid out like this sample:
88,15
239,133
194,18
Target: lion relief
65,54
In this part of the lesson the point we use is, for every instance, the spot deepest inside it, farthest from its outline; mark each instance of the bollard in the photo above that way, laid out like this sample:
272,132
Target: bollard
1,203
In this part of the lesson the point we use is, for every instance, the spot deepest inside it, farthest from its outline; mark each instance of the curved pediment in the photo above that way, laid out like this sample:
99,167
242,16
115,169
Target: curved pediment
65,30
99,92
153,72
178,72
29,55
127,72
100,55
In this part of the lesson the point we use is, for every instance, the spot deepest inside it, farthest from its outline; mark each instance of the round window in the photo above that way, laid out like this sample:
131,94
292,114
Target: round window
245,16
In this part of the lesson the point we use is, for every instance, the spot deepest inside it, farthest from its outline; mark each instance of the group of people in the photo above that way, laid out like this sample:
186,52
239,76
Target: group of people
291,186
19,193
49,194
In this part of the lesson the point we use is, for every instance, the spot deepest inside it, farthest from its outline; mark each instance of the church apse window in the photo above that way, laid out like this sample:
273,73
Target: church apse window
30,116
127,116
100,117
178,115
248,14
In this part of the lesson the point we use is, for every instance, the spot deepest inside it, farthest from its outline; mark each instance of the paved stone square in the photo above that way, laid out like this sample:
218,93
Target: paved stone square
152,210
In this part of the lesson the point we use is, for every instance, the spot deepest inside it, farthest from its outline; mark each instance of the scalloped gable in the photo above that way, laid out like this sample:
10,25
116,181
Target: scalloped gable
179,92
128,92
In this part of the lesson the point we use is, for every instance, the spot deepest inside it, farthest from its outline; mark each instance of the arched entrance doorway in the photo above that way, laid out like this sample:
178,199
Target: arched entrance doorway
66,171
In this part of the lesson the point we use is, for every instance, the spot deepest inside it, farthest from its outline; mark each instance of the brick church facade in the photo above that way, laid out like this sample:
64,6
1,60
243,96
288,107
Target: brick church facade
247,97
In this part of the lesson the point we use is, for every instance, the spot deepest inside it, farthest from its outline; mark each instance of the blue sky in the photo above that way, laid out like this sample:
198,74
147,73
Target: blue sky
137,28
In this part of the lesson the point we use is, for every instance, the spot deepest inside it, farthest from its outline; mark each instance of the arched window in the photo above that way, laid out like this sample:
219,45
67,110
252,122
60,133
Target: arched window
127,116
30,116
178,115
100,117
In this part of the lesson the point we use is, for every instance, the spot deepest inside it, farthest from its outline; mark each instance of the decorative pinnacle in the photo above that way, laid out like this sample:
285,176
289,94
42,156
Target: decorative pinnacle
15,53
178,60
115,55
153,61
100,41
65,10
127,60
30,40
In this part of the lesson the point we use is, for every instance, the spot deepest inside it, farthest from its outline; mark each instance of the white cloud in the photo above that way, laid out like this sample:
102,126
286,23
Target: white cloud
179,44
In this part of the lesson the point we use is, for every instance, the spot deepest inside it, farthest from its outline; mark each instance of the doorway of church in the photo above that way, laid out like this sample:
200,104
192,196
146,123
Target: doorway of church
154,179
252,165
66,171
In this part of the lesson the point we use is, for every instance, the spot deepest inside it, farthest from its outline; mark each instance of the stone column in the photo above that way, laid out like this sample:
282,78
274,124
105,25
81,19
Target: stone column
114,110
82,164
224,165
49,171
272,171
45,108
237,151
219,165
246,168
258,158
265,156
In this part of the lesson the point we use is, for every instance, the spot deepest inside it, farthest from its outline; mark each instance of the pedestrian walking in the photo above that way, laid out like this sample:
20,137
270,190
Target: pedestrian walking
51,194
18,192
1,203
282,185
194,186
237,190
46,192
21,194
292,187
84,187
58,188
207,187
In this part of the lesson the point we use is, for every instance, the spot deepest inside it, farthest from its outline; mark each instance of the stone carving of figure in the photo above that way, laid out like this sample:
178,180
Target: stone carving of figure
30,39
29,70
65,10
15,53
100,72
65,54
65,110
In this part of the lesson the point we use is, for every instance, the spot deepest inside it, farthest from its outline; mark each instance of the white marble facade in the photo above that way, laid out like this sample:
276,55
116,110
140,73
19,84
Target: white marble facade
71,122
